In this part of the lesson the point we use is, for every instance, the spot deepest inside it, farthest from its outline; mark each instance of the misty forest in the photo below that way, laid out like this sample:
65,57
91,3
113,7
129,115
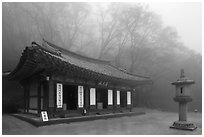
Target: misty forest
129,35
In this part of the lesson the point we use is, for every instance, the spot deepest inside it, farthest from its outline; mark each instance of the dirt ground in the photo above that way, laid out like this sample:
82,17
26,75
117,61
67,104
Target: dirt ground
152,123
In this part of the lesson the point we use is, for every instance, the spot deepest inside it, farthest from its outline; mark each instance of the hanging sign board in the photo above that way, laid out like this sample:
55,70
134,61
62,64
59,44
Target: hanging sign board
80,96
92,96
44,116
59,95
129,98
110,97
118,97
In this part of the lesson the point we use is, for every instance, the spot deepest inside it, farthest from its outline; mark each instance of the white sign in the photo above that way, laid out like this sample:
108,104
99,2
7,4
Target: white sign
80,96
118,97
92,96
44,116
59,95
110,97
128,97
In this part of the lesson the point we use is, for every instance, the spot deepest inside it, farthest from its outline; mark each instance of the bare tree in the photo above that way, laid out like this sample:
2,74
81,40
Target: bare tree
72,23
138,26
57,22
107,29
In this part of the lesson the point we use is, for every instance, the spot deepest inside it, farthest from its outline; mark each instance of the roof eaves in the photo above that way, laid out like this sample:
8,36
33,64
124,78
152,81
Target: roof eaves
124,71
5,74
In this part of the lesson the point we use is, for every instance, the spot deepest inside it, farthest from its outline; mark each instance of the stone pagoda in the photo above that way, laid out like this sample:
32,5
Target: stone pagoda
183,96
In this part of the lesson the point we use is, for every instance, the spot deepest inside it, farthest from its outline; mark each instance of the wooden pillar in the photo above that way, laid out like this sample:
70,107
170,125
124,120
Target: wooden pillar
114,100
24,99
123,99
45,90
39,98
132,99
28,96
86,97
25,94
51,96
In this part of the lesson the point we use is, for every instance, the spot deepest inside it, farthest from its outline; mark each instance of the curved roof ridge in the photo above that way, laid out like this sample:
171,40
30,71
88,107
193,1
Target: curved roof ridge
123,70
66,51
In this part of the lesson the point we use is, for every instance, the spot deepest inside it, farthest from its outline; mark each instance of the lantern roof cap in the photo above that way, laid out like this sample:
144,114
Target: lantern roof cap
183,80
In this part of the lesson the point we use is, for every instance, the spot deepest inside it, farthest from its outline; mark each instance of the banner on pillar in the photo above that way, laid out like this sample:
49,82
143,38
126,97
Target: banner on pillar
129,98
110,97
118,97
59,95
92,96
80,96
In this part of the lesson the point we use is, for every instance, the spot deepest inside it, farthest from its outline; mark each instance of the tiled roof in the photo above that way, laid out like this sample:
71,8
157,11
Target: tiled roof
99,67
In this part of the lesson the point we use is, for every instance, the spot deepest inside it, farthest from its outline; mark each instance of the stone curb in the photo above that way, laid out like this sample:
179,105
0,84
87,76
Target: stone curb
38,123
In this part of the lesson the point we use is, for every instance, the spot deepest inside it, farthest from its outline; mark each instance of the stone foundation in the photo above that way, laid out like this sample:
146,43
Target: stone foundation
184,125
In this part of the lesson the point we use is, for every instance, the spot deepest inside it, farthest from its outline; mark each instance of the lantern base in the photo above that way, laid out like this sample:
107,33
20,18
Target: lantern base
184,125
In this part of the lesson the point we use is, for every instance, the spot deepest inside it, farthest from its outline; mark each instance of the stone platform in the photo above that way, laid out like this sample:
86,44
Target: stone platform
37,121
184,125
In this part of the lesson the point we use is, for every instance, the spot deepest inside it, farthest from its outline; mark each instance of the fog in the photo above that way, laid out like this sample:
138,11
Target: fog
186,17
131,36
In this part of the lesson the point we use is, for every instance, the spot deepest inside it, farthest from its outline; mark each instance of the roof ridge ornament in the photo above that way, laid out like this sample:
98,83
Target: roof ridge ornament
46,44
182,73
183,79
63,50
47,48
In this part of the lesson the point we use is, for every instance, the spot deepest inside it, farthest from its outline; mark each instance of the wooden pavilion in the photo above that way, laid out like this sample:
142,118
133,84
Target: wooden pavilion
57,80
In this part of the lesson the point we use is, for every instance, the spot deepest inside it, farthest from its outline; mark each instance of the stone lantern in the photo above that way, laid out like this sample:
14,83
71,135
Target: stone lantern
183,96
